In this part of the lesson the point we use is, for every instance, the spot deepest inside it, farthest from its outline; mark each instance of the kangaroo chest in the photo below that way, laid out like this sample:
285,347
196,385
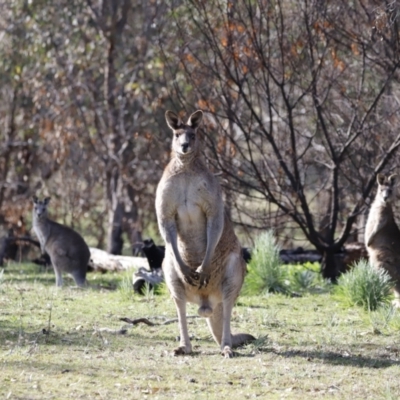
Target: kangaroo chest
41,233
192,203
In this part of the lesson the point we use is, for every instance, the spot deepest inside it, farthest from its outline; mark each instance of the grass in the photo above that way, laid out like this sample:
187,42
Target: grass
365,286
62,344
306,278
264,270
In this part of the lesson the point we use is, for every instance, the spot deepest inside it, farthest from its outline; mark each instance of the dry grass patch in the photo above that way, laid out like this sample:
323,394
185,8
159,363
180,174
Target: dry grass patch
60,344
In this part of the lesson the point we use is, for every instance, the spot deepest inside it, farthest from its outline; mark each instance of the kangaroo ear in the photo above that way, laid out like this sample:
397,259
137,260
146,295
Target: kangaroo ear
392,179
35,199
46,201
380,178
195,119
173,121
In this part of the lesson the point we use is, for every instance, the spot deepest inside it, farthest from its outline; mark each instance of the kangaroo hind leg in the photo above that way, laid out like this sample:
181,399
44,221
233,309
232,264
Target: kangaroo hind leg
58,273
185,347
220,326
79,278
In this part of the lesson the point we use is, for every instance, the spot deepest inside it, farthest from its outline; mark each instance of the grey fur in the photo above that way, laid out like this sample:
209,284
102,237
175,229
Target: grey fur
67,249
382,235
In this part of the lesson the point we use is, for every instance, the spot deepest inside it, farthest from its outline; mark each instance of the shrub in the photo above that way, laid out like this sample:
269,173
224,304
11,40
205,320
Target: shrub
265,273
307,278
364,286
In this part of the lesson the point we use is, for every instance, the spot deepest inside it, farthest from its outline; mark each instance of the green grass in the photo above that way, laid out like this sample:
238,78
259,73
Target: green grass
306,278
365,286
265,273
63,344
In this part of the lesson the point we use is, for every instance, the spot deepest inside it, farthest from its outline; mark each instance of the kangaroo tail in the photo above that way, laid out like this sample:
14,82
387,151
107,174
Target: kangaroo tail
241,339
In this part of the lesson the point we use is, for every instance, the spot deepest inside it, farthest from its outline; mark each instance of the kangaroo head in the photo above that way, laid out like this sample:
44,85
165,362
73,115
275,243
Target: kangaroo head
40,207
185,141
386,187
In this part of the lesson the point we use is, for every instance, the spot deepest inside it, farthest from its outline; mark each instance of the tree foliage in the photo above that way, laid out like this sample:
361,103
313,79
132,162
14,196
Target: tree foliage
302,108
301,100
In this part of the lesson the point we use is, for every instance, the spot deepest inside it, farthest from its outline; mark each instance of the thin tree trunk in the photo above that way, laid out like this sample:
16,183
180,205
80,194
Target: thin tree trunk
331,265
115,208
132,224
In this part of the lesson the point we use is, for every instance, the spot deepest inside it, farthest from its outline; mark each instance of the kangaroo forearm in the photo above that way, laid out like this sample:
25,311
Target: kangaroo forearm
170,238
214,232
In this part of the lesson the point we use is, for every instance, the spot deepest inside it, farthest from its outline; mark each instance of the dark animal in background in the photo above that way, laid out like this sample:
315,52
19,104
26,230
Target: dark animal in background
67,249
154,254
246,254
8,247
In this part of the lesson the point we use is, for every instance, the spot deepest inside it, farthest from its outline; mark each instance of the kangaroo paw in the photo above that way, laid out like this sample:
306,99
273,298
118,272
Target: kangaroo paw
227,352
181,351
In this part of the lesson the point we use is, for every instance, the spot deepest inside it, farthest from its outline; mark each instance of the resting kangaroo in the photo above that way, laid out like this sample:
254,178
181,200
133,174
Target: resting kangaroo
67,249
203,262
382,236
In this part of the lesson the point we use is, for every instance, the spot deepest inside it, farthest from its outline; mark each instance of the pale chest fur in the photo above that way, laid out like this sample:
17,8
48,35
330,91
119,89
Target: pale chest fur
41,231
193,200
374,216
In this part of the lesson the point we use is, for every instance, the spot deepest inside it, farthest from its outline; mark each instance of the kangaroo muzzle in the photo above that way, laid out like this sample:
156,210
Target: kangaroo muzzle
185,147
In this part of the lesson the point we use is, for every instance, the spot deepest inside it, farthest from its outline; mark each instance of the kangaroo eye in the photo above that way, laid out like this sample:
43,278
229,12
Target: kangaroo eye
177,135
192,136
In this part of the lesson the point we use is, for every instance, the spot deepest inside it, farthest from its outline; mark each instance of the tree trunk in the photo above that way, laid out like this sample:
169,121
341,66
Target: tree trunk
115,212
131,222
123,216
332,265
115,218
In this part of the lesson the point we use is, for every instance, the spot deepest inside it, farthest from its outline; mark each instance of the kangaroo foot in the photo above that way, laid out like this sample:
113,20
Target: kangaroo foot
181,351
227,352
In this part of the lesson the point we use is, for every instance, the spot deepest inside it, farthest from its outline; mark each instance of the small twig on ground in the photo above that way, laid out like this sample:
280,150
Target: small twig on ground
148,322
138,321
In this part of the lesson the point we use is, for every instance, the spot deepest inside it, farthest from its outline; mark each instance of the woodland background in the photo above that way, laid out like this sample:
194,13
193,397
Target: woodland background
301,102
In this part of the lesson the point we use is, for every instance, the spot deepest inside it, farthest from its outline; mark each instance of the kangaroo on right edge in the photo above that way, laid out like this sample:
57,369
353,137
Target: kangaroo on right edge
382,236
203,262
67,249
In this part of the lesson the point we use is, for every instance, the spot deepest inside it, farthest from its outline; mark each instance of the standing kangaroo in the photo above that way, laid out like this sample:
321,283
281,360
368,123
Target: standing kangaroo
203,262
382,236
67,249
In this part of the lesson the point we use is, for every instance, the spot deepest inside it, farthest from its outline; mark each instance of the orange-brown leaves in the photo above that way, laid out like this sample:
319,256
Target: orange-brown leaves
206,105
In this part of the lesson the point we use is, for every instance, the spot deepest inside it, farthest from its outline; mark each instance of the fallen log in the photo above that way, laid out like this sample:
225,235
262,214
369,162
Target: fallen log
102,261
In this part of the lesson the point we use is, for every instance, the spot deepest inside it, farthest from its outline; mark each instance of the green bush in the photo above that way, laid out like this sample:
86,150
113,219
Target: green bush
265,272
364,286
307,278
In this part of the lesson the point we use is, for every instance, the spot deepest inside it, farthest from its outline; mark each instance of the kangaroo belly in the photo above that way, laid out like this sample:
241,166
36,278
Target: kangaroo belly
192,234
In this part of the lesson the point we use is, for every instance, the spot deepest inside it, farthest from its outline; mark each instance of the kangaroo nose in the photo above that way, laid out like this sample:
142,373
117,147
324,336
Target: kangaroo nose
185,146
